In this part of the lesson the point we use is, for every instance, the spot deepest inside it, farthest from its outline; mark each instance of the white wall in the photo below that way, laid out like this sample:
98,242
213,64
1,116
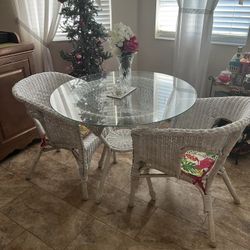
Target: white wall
7,17
154,54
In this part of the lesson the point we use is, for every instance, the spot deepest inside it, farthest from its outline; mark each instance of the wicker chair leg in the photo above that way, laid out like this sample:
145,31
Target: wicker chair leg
230,186
114,157
83,173
134,186
101,183
211,228
33,167
150,186
151,189
100,163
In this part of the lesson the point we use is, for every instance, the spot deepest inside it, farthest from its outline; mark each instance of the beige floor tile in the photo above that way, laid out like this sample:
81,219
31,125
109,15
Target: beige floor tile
51,219
49,174
232,222
20,163
55,177
175,196
98,236
239,174
27,241
164,229
220,191
9,230
119,175
64,157
113,209
11,186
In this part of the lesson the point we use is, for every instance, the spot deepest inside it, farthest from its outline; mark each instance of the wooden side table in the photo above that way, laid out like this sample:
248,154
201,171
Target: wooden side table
16,128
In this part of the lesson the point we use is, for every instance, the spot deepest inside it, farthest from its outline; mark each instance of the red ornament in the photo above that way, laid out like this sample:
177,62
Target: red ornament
78,56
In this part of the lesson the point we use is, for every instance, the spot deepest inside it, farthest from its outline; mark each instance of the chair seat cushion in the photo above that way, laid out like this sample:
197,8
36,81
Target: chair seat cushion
84,131
197,163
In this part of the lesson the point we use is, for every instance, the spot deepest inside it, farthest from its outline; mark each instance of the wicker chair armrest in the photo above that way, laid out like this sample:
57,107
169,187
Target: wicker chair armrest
162,149
148,143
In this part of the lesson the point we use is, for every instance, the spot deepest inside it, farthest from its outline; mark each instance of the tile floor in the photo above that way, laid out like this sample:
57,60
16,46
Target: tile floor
48,213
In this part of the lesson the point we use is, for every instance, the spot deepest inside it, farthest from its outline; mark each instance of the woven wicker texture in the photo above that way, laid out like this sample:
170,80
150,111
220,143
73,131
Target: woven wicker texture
119,140
161,149
61,132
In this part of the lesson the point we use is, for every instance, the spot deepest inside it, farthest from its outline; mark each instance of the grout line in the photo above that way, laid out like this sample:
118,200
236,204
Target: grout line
24,230
13,200
93,218
16,224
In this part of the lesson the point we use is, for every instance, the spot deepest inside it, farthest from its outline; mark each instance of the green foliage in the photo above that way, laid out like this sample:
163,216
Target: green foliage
86,35
188,167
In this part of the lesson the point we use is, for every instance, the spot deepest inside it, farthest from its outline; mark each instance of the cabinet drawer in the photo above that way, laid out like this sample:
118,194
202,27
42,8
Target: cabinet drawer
13,116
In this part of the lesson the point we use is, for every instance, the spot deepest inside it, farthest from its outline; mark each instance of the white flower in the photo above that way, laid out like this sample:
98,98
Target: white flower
119,34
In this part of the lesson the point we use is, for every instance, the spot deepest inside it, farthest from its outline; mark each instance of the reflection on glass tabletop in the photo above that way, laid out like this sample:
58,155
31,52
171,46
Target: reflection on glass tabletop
157,97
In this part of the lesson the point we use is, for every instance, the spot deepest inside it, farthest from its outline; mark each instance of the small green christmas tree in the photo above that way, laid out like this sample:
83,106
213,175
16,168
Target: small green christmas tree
86,35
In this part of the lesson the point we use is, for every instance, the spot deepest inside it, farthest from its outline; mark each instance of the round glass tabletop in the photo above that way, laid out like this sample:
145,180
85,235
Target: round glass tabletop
155,97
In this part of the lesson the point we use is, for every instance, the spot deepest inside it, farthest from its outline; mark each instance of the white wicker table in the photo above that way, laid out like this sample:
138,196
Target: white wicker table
158,97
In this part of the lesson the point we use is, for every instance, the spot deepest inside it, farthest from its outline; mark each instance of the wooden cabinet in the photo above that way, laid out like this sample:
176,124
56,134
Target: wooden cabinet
16,128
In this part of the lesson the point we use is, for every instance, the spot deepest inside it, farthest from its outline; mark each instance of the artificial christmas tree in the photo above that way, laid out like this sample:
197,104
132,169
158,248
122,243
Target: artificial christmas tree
86,35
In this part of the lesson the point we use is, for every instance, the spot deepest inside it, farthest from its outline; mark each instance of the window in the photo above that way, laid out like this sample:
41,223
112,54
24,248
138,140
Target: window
166,18
231,21
104,17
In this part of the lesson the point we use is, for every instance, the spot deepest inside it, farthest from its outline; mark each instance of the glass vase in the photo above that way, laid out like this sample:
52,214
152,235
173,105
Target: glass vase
125,63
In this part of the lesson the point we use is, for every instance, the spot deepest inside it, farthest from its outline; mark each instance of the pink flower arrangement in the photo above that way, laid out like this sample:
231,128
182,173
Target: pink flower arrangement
123,40
130,46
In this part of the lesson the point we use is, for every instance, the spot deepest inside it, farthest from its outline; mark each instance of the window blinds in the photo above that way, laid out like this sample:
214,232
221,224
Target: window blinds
166,18
231,22
104,15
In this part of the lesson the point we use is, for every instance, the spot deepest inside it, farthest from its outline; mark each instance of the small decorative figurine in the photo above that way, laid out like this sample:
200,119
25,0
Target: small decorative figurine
225,76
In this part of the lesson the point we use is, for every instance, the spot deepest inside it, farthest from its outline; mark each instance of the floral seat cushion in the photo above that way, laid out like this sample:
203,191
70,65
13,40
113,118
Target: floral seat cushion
197,163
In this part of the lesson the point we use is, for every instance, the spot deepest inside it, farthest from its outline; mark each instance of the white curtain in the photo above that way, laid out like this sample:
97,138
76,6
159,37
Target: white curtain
192,43
38,22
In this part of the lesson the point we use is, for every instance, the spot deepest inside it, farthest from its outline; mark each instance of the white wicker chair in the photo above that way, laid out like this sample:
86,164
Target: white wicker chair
55,130
162,149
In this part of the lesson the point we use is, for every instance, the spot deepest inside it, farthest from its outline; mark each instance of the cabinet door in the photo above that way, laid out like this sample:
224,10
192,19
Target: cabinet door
13,117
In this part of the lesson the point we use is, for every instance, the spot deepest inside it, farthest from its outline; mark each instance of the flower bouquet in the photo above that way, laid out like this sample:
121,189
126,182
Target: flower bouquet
125,45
